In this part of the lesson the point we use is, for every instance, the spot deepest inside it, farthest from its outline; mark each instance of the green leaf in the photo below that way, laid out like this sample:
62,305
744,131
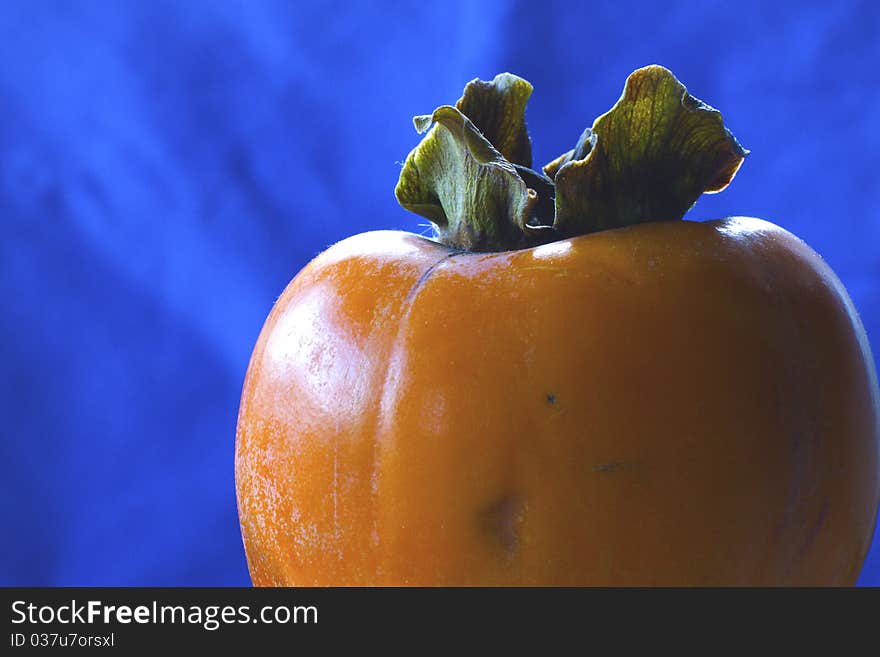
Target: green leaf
647,159
498,110
470,174
456,178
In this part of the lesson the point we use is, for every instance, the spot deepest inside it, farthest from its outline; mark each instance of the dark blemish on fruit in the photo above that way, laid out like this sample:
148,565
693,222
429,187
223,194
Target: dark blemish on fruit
501,521
551,398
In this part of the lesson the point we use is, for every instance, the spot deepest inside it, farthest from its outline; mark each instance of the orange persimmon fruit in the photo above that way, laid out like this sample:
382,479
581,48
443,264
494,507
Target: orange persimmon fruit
608,395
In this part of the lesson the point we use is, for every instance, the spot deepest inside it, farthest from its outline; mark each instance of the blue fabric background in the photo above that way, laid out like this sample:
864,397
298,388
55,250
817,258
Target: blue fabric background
167,167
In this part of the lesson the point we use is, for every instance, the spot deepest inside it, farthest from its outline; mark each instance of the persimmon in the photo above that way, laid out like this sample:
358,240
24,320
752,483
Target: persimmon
569,384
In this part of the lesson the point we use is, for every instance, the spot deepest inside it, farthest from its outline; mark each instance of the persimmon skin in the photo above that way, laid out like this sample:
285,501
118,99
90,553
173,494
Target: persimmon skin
672,403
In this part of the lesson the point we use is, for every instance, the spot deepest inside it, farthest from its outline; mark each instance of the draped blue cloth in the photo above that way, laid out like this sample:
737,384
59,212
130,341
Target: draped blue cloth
167,167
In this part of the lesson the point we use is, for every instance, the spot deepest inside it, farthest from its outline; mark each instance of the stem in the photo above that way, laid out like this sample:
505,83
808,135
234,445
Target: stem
647,159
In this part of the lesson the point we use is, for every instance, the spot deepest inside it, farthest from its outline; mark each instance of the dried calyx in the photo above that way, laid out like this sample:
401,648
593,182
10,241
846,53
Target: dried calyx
647,159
